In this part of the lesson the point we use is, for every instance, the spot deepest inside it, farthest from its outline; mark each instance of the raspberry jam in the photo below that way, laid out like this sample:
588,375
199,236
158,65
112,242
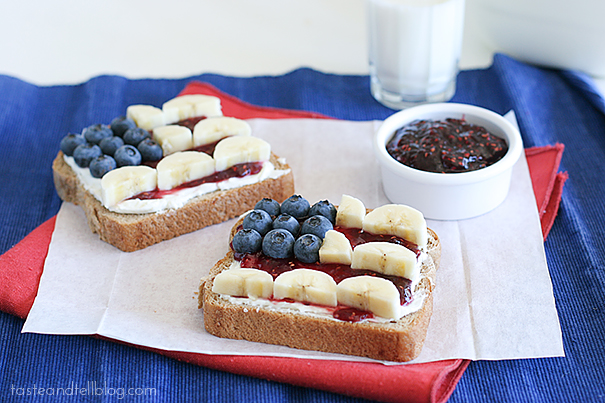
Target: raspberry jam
190,122
207,148
446,146
338,272
358,236
236,171
349,314
340,312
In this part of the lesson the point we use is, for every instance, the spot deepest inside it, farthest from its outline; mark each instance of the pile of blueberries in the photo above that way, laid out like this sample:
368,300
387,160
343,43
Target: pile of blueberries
292,229
102,148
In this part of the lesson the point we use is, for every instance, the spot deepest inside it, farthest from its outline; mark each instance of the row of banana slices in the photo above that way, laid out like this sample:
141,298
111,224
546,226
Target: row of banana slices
373,294
369,293
149,117
172,137
180,165
383,257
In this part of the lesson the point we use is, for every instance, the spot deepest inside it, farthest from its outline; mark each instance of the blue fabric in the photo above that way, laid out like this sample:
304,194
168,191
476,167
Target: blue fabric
552,106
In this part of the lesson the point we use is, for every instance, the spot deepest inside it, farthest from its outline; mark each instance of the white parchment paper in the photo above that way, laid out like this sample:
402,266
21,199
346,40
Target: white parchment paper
493,298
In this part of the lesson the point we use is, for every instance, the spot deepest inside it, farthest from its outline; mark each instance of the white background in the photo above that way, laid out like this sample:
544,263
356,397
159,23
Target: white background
69,41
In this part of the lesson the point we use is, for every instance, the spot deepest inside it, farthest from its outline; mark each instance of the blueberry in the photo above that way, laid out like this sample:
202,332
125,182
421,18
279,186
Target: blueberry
306,248
95,133
295,205
269,205
324,208
287,222
120,124
109,145
70,142
135,136
247,241
258,220
85,153
316,225
101,165
278,244
150,150
127,155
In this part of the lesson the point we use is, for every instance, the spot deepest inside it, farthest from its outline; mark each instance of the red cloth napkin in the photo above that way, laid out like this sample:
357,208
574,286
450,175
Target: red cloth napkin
22,265
543,165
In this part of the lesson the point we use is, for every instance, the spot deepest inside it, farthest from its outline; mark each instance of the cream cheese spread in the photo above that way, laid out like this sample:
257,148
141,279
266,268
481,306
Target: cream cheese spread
175,199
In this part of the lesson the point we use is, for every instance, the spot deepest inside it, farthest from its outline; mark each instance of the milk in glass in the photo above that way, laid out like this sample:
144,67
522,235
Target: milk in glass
414,49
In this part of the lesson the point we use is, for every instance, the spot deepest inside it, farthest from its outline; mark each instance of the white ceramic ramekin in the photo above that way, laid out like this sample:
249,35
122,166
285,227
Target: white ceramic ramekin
448,196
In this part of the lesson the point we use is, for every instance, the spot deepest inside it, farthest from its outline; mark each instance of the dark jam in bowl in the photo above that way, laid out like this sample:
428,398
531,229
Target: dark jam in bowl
446,146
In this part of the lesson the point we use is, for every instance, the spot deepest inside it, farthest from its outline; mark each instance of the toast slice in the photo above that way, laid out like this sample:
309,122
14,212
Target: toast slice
131,232
396,340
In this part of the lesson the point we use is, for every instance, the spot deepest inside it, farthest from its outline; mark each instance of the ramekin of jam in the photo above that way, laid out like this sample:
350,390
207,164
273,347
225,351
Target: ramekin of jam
450,161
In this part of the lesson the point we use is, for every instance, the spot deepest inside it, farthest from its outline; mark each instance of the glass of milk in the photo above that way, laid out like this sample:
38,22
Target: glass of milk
414,49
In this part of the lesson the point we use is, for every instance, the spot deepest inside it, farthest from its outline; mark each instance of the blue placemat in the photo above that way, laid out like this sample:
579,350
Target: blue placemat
551,106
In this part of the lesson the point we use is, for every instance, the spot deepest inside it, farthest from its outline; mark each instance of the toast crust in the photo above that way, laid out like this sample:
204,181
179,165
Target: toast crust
400,340
131,232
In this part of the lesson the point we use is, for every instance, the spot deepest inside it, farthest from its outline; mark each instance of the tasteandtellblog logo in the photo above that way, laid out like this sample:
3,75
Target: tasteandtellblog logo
91,388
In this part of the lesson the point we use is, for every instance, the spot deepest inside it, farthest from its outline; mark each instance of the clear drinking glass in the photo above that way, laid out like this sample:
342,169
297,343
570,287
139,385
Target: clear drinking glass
414,50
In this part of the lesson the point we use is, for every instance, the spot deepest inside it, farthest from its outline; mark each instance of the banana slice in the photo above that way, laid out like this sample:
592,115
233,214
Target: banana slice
374,294
147,117
306,285
335,248
350,213
239,150
190,106
386,258
182,167
400,220
213,129
173,138
251,283
121,183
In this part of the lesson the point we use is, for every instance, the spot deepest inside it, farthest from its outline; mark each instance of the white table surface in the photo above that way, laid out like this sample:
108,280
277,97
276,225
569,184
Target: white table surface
69,41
